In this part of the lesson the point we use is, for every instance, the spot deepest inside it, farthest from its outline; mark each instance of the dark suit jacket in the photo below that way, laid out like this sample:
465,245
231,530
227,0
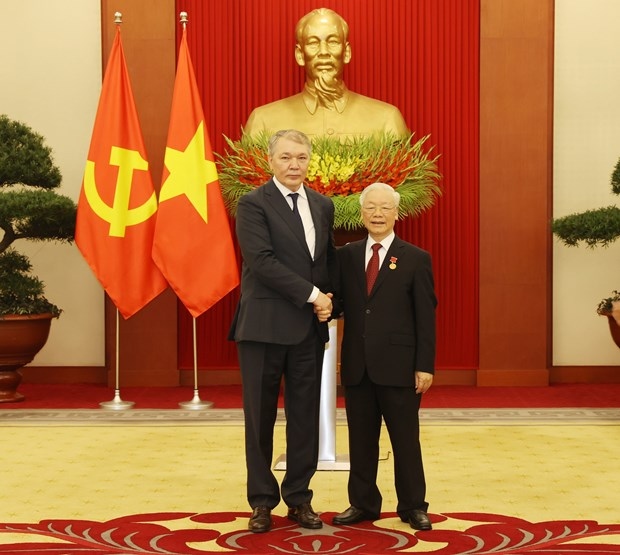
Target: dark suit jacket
278,273
390,333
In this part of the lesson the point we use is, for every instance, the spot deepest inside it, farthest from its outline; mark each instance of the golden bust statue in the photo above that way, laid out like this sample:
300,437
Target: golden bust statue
326,106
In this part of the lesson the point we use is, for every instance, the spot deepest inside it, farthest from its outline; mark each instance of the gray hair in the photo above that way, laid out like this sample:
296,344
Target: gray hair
291,134
381,187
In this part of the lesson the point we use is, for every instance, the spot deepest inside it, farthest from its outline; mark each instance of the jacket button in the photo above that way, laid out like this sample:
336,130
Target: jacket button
368,311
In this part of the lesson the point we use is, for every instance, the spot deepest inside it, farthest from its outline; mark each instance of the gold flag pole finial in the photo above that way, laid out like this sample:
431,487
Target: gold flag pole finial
118,18
183,20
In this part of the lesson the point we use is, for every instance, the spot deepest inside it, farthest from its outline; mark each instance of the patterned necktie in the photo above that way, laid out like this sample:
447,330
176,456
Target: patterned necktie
372,270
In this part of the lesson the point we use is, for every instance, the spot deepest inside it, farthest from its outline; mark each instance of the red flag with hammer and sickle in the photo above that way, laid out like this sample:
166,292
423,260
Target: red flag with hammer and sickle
117,206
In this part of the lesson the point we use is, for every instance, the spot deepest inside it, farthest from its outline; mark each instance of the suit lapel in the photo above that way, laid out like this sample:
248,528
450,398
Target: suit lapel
392,253
320,242
283,209
358,251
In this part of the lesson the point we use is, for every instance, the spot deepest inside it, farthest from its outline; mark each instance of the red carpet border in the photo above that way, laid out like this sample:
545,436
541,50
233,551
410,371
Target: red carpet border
215,533
88,396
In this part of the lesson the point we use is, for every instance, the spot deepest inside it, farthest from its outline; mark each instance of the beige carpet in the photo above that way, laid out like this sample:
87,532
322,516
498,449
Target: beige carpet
540,465
546,466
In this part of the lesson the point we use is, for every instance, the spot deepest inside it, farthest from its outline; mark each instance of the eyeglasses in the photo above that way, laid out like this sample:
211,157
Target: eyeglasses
370,209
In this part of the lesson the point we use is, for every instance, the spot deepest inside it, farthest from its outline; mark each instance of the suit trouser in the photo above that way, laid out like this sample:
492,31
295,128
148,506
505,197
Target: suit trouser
263,366
366,404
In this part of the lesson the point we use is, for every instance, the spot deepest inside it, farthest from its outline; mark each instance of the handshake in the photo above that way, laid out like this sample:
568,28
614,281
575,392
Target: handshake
323,306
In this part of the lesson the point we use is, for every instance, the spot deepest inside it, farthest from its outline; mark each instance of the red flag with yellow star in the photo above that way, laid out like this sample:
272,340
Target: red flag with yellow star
117,204
193,245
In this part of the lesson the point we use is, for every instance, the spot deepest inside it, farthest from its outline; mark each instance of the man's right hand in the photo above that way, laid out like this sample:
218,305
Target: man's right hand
323,306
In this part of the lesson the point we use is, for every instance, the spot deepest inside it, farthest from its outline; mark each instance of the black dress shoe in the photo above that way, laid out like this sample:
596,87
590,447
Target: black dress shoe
353,515
418,520
260,521
305,516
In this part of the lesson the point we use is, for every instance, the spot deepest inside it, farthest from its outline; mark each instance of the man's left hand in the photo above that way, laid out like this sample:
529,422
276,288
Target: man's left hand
423,381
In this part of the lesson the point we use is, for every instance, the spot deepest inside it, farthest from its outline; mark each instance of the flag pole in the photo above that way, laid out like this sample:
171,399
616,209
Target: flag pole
196,403
183,19
117,403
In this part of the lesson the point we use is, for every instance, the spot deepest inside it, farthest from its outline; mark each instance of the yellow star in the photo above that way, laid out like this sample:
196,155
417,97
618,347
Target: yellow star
190,173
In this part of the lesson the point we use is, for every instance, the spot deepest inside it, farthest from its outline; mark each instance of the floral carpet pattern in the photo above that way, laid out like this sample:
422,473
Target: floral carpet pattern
501,480
211,533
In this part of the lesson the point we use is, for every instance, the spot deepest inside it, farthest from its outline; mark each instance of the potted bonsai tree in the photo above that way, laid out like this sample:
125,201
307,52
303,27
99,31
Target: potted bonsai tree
29,209
596,228
610,307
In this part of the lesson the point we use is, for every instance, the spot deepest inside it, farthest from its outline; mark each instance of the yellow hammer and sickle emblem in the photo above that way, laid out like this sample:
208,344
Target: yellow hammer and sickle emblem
119,215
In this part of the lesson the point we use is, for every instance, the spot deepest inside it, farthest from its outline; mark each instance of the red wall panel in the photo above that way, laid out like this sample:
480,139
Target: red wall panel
422,56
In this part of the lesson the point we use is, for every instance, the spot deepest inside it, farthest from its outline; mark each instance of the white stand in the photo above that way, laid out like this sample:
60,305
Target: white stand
328,460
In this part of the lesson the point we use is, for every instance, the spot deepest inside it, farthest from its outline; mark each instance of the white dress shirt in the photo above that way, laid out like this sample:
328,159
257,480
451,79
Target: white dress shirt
303,207
385,245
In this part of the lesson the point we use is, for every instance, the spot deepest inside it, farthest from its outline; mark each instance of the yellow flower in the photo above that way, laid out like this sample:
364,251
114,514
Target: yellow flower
329,168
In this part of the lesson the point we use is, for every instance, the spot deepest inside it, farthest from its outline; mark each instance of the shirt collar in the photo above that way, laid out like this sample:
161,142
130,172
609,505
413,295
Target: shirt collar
386,243
286,191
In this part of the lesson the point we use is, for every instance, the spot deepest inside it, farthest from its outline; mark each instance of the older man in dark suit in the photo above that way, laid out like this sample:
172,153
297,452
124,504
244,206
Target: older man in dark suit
289,261
387,358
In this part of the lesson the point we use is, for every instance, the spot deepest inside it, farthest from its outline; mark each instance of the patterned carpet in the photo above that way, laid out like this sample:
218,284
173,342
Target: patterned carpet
160,478
216,533
182,417
500,481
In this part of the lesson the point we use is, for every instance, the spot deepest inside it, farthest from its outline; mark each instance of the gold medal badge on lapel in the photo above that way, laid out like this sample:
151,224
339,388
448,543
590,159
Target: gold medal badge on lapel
393,260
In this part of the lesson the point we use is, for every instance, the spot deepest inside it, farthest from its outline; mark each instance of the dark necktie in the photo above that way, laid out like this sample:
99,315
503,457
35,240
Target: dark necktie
372,270
295,198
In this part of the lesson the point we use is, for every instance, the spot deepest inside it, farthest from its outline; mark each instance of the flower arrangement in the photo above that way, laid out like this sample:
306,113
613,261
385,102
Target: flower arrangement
340,170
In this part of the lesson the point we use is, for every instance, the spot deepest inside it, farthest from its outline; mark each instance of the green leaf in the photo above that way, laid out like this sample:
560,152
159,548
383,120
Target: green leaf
340,170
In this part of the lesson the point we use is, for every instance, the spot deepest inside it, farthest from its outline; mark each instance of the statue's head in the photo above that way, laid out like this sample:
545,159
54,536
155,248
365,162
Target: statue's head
322,47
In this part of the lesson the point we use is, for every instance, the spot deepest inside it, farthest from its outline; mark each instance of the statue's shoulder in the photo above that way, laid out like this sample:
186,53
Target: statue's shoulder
280,114
379,115
277,106
363,102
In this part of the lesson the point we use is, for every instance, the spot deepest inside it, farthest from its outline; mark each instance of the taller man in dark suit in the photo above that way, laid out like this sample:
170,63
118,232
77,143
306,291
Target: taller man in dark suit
285,233
387,358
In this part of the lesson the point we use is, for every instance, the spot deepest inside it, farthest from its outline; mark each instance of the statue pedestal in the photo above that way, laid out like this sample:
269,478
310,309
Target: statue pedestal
328,459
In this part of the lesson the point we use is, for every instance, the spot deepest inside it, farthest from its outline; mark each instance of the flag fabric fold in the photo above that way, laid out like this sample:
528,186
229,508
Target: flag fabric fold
193,244
117,206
